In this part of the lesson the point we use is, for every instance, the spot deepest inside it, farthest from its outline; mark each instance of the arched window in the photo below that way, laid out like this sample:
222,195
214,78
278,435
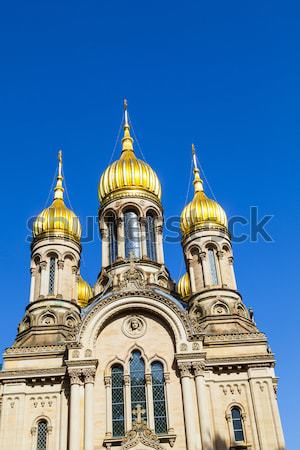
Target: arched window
42,429
52,275
237,424
159,401
112,236
132,234
212,266
151,236
137,379
117,390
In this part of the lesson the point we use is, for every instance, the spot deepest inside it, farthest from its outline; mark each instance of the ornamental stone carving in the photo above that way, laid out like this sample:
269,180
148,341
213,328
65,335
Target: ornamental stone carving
133,278
185,369
89,375
198,368
74,375
134,327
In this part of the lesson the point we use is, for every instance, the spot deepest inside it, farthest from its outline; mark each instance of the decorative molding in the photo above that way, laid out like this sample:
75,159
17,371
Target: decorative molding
37,349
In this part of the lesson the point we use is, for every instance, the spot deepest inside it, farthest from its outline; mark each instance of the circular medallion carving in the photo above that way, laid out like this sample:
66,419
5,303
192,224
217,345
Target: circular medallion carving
134,327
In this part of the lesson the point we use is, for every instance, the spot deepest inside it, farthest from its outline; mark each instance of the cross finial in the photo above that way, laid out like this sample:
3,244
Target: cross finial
138,412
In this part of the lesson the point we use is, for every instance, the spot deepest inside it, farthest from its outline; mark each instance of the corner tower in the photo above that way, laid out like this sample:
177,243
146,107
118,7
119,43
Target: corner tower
131,221
57,291
209,284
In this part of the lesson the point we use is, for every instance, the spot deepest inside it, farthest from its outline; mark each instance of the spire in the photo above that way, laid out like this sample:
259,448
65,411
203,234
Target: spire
127,139
59,190
198,183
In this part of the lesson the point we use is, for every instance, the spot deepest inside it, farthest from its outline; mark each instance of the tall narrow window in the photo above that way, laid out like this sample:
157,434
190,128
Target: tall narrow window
213,266
132,234
237,424
112,237
52,275
159,401
137,378
42,435
151,236
117,390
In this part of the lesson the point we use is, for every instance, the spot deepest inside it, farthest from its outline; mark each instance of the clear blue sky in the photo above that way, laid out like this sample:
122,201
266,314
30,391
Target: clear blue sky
224,75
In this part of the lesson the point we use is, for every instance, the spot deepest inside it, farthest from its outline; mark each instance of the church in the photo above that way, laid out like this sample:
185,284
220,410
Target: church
137,361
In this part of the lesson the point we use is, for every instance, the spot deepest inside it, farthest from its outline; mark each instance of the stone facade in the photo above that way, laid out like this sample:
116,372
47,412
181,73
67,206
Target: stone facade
218,387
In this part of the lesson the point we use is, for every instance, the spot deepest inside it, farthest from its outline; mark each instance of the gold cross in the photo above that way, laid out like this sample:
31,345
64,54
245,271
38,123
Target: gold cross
138,412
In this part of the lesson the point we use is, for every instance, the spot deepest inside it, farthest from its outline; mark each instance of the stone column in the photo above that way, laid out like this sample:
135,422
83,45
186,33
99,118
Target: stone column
149,403
89,378
159,244
189,419
203,410
32,284
107,383
168,406
74,425
192,275
105,247
205,267
257,412
221,270
128,412
120,239
143,238
74,293
233,280
60,267
44,279
276,416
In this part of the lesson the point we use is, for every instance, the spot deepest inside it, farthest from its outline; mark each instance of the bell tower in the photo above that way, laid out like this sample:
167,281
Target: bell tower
131,220
209,283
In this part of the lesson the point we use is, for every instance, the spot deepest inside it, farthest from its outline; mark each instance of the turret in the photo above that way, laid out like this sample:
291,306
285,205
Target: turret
209,284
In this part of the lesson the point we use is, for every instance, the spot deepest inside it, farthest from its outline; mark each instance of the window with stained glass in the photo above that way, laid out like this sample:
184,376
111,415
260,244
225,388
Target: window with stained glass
52,275
137,381
117,388
237,424
213,266
151,236
42,428
132,234
159,401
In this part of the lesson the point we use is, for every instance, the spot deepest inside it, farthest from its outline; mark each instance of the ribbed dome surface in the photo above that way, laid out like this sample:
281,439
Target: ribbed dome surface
59,220
85,292
128,175
184,286
200,212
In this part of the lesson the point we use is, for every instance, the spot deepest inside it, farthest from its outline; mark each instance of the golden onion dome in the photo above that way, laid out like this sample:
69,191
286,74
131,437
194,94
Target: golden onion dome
128,175
184,286
85,292
57,219
201,211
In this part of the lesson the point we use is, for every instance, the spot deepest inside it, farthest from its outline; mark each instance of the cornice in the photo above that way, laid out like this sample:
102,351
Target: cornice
22,373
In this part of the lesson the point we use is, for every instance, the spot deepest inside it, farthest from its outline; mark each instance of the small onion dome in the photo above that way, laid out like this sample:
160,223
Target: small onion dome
128,175
57,219
201,211
184,286
85,292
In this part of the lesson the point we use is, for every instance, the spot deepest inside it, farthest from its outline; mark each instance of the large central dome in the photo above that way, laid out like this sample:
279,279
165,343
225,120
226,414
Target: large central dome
128,176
